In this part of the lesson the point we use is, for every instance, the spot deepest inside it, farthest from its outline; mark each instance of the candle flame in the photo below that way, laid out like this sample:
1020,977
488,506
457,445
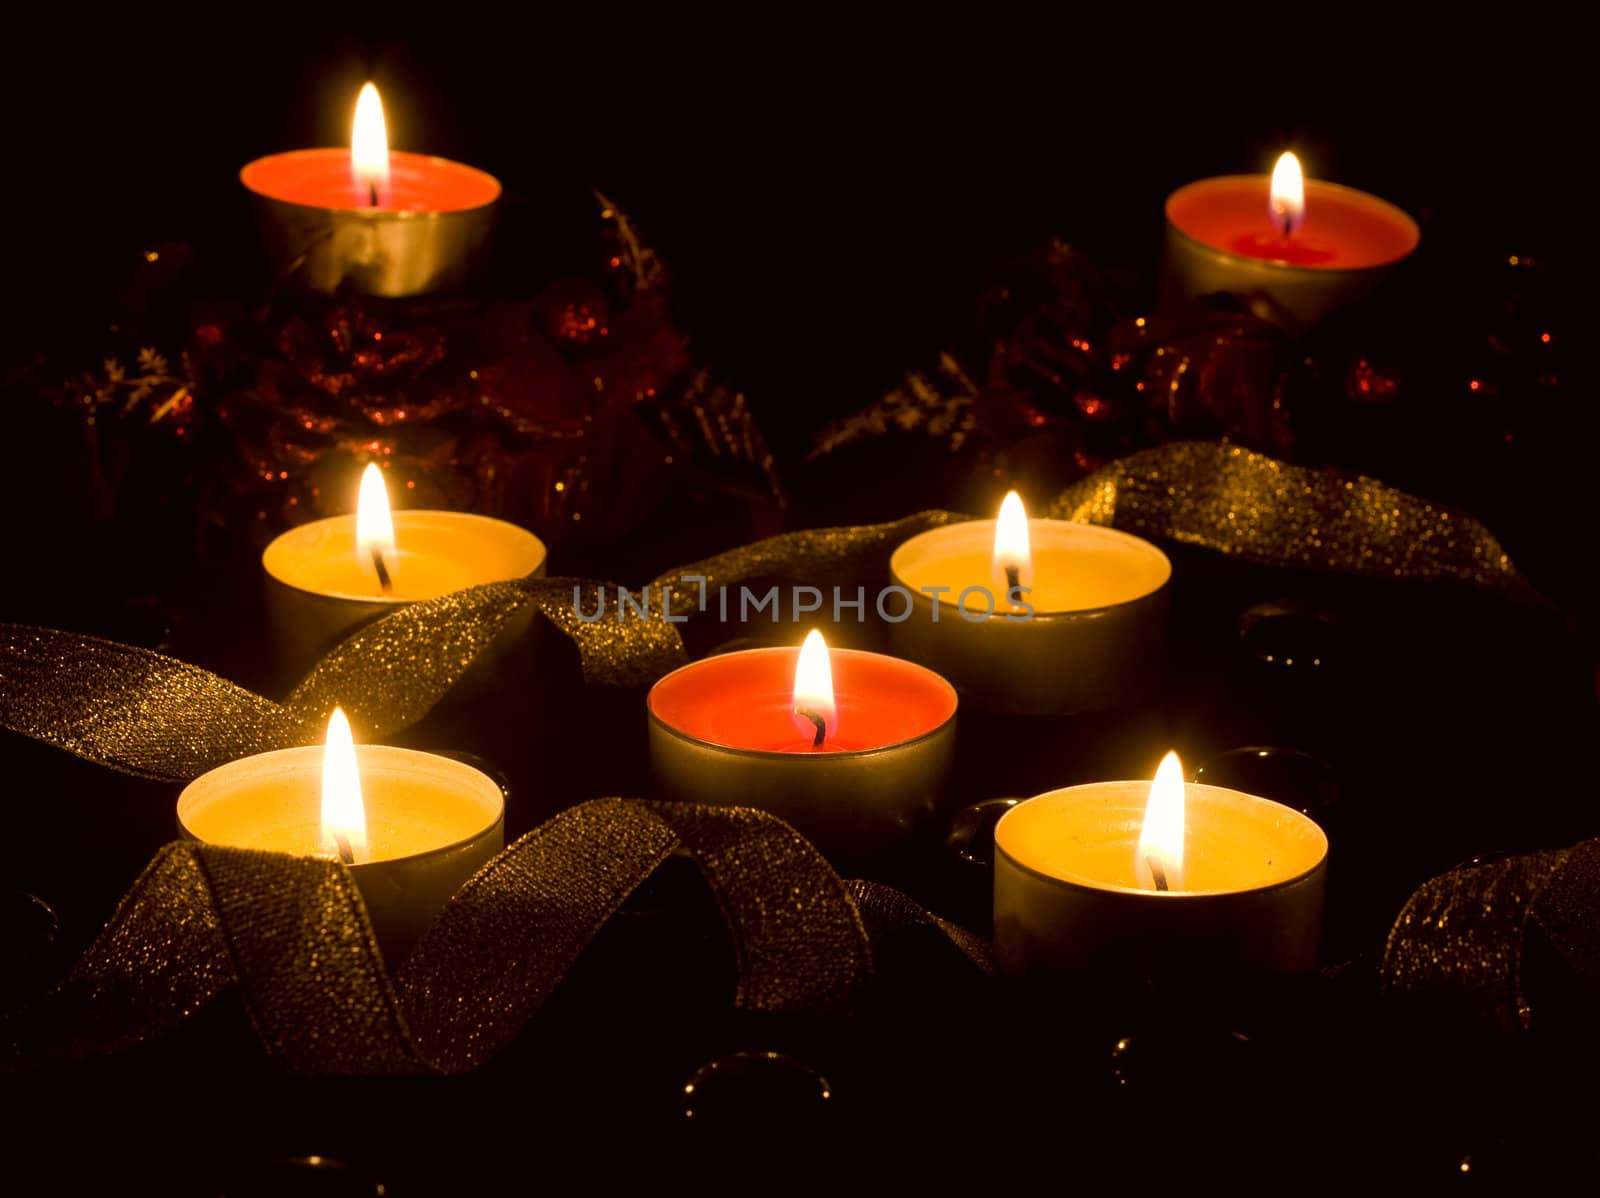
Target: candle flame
1287,197
374,524
815,714
1161,838
369,147
1013,557
344,815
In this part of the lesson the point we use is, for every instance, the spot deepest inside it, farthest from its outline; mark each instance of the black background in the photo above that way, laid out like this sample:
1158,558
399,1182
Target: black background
829,185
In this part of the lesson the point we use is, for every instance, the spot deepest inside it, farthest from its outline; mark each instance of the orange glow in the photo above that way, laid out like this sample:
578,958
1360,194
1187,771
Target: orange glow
1161,837
369,147
1287,197
344,815
816,716
1012,552
374,524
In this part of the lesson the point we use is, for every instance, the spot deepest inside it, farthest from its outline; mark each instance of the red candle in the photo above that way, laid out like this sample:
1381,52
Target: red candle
853,765
417,182
1293,255
746,701
1343,229
384,222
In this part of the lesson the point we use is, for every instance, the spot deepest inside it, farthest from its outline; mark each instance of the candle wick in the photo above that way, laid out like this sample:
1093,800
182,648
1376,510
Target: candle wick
372,195
346,854
1288,226
1013,585
1157,872
822,724
384,580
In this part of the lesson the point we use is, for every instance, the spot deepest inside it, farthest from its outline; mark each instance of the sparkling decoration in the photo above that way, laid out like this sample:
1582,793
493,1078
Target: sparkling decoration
1072,368
1071,359
528,410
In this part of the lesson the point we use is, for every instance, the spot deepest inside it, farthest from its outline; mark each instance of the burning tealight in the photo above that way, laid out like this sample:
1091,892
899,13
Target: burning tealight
329,577
1034,616
384,222
1139,872
1293,250
849,747
411,826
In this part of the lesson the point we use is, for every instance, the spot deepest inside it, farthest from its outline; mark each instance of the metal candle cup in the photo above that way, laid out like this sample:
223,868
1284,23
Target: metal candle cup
1096,638
1068,897
1219,239
432,822
722,731
320,589
428,233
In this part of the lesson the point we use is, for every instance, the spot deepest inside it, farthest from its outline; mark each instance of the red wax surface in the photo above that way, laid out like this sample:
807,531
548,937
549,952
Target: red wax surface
1344,229
417,183
744,701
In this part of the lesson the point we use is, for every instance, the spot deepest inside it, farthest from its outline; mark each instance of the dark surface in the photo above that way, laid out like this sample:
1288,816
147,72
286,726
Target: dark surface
830,207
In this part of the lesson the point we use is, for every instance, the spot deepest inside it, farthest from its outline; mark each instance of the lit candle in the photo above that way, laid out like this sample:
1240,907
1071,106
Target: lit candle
1293,250
1141,872
388,223
850,747
1034,616
328,577
411,826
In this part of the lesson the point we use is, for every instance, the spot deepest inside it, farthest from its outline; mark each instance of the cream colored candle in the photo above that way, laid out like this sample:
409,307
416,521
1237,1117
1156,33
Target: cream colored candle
1087,630
413,826
323,580
1076,878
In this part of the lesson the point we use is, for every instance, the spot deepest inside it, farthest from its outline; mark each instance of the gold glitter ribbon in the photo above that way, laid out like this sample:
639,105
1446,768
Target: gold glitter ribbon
1462,938
1248,505
293,934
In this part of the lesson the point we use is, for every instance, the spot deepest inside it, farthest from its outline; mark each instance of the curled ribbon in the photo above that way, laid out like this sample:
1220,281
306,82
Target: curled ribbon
1463,938
1248,505
293,934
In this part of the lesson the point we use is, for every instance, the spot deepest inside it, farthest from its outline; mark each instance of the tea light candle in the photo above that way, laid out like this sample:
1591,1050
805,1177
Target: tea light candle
848,746
1088,634
388,223
328,577
412,827
1293,250
1135,871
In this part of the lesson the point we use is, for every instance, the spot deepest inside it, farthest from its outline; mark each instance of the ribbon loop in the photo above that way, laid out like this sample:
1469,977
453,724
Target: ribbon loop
293,934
